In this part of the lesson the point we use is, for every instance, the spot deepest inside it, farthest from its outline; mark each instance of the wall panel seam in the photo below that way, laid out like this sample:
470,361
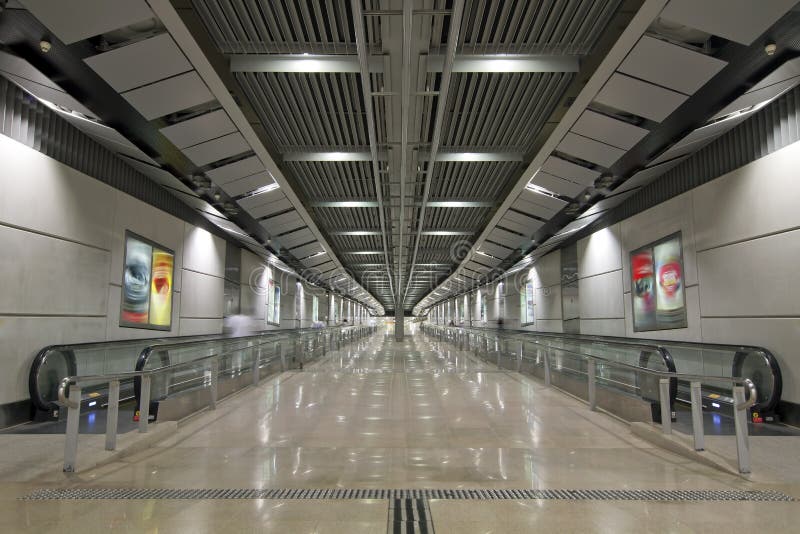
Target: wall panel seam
52,236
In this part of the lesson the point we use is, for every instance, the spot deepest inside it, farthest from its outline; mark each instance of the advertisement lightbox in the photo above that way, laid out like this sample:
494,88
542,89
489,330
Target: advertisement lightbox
657,285
146,284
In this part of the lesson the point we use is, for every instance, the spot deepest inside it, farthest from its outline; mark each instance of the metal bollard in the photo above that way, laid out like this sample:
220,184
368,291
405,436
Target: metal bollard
547,369
520,350
73,421
257,367
663,399
592,376
279,351
697,417
144,404
112,415
740,423
214,382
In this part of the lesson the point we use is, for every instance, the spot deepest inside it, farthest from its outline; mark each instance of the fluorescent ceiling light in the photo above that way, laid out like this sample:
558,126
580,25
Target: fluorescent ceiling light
261,190
344,204
540,190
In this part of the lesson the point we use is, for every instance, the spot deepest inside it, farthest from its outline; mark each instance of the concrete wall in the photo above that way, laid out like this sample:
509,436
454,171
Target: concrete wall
62,236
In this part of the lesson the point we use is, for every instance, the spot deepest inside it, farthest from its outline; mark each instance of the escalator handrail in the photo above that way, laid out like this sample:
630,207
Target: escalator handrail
766,405
105,378
41,357
746,382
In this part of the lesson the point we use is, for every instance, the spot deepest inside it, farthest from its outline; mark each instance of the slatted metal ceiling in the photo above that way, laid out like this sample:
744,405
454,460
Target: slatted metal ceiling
655,77
324,111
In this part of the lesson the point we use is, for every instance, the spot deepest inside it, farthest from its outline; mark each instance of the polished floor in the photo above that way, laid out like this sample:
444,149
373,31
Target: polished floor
411,414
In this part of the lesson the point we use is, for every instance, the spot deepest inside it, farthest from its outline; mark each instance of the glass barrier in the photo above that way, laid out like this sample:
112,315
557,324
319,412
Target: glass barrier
55,362
703,359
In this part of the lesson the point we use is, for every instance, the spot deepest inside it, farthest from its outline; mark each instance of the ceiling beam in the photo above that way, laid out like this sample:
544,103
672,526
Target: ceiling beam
366,89
441,104
435,63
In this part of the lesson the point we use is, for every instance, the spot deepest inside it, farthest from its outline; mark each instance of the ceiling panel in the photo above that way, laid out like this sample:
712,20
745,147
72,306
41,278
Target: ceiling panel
221,148
108,137
158,175
140,63
758,96
168,96
234,171
608,130
488,261
477,267
75,20
681,149
789,69
270,208
547,201
525,206
590,150
33,81
520,223
248,184
738,20
307,250
640,98
647,175
197,203
607,203
570,171
507,239
264,198
556,185
283,223
495,250
199,129
317,261
298,237
669,65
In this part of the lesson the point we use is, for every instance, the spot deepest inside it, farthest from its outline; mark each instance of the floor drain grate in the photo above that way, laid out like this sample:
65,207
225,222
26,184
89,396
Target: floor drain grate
455,494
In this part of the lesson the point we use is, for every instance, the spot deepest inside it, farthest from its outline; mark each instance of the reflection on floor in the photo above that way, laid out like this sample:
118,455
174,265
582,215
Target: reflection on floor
415,415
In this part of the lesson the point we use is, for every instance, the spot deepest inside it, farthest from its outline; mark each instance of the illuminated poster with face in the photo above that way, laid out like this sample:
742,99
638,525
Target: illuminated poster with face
146,284
642,287
657,286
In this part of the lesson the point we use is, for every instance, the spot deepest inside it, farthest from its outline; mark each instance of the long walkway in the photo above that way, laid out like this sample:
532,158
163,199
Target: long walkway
387,415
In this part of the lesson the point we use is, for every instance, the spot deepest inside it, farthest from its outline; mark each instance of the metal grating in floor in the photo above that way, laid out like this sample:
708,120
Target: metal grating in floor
456,494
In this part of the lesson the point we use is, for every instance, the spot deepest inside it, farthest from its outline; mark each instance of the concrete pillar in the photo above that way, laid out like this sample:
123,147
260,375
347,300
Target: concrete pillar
398,325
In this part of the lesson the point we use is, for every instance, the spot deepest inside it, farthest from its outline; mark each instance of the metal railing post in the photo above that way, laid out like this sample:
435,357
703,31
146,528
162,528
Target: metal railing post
112,415
257,367
547,376
697,416
740,422
73,422
592,373
663,399
144,404
214,382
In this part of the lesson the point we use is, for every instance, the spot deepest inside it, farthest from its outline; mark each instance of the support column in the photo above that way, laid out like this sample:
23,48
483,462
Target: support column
398,325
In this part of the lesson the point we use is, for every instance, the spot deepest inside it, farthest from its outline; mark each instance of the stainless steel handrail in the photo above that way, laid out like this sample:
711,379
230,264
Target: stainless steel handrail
72,401
742,402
